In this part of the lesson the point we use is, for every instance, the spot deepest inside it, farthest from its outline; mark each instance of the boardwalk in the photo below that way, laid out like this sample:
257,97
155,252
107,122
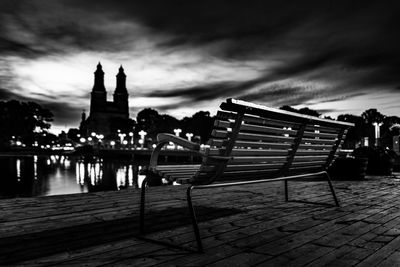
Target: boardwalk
240,226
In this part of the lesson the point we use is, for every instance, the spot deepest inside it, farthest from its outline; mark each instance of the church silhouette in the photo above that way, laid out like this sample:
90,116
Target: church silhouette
103,113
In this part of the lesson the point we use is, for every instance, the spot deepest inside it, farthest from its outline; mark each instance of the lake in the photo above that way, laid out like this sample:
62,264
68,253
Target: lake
30,176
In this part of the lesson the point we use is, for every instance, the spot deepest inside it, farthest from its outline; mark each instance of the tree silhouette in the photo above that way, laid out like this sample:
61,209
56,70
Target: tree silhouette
372,115
200,124
22,120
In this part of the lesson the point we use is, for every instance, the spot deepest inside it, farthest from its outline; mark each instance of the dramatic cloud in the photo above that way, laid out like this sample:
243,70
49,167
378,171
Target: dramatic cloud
182,56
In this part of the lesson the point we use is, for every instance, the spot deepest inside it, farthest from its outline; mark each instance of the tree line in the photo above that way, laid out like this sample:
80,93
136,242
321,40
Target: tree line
29,121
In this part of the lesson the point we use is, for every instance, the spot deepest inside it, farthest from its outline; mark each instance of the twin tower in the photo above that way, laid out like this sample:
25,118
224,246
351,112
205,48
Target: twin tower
103,112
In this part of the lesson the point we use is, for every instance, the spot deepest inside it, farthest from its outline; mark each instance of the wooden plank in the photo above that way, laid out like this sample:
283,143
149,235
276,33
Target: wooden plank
333,130
259,216
321,135
250,152
260,120
316,147
265,129
247,136
312,152
315,141
178,166
252,144
308,163
240,160
260,110
253,167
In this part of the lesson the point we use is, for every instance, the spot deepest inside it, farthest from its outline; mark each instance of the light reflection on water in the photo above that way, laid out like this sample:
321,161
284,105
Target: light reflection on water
53,175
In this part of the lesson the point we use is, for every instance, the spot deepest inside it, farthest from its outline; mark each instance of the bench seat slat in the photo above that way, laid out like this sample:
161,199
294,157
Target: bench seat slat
267,152
250,144
258,120
309,158
320,135
258,137
323,129
316,147
265,129
240,160
312,152
308,163
282,131
315,141
172,172
243,167
169,167
249,152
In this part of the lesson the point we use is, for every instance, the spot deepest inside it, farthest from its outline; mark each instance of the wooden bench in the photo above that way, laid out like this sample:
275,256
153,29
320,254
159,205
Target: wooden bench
250,144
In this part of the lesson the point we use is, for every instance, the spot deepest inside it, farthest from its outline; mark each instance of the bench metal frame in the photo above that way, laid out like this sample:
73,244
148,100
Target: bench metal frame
223,160
192,211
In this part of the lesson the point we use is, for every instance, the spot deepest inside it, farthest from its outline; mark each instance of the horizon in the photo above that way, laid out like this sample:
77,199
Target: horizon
180,58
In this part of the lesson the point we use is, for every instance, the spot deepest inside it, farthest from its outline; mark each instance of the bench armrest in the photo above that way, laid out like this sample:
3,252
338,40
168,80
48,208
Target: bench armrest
163,139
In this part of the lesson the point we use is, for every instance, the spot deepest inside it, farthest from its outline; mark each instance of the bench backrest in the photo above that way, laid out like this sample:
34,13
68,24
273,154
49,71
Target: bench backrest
268,143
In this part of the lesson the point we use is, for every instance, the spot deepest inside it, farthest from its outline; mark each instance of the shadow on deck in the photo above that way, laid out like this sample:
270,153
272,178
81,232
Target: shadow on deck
240,226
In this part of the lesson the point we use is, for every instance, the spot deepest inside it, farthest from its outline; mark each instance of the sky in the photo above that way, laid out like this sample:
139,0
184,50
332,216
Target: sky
182,56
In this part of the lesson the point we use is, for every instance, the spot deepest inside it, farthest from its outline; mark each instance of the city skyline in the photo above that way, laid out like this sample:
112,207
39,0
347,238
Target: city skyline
182,57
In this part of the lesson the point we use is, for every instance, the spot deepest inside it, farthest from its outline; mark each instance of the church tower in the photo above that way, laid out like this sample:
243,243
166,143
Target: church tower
107,116
99,94
121,94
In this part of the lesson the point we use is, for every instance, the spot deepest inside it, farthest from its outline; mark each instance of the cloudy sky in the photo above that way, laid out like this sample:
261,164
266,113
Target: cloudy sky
184,56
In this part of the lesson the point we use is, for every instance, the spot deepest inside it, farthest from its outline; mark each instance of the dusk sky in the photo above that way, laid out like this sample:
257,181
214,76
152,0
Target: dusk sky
184,56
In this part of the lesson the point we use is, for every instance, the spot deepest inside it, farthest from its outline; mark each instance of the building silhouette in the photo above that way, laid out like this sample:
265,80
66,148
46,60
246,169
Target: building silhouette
105,115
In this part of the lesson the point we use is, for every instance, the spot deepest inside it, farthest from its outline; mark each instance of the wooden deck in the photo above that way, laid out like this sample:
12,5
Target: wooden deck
240,226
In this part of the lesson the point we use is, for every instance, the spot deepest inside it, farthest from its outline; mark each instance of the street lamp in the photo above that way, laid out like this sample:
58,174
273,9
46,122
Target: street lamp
121,137
189,136
131,135
142,135
177,131
377,131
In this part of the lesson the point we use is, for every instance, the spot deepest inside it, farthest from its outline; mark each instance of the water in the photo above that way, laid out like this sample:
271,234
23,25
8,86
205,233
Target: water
30,176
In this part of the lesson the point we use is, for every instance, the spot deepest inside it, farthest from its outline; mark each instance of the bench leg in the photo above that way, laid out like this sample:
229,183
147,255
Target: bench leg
194,220
286,190
142,203
328,178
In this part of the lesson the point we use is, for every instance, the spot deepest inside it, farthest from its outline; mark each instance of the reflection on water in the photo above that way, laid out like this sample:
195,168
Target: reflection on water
52,175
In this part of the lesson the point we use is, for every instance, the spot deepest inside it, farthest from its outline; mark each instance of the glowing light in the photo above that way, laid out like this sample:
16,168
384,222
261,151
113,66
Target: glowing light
130,175
177,131
189,136
120,176
35,159
18,167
